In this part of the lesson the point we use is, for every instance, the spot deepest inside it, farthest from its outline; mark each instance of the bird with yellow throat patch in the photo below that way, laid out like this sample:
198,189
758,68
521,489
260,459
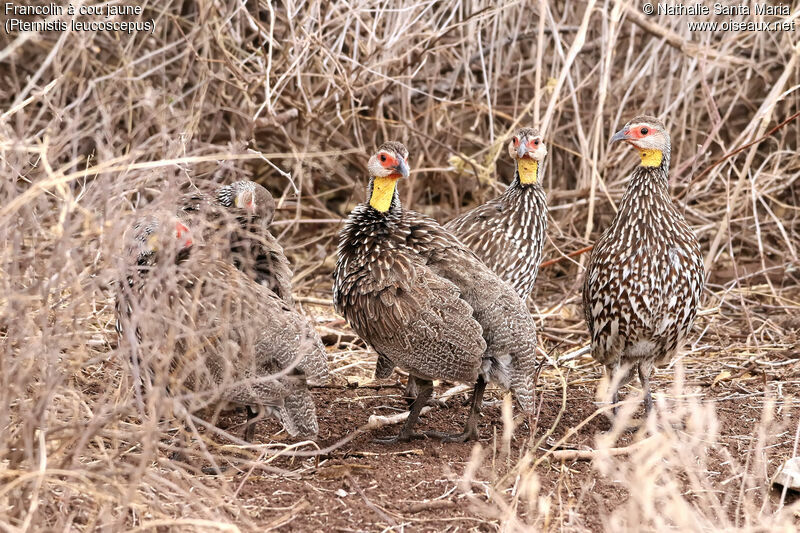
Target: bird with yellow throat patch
426,303
508,232
645,276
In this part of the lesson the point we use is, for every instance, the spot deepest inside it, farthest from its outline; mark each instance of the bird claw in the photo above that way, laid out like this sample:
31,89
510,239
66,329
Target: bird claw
464,436
402,437
433,402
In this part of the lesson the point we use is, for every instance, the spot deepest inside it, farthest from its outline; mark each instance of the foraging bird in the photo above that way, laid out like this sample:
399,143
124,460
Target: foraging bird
508,232
254,250
426,303
645,275
228,339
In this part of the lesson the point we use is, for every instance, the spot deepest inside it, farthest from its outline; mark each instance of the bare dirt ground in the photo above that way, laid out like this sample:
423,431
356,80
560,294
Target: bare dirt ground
365,486
426,485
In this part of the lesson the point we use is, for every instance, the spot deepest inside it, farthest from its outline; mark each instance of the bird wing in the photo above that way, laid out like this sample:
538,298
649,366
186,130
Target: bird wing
413,317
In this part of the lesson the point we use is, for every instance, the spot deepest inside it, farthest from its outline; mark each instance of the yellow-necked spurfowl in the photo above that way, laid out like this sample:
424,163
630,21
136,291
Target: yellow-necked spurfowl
508,232
645,276
426,303
228,339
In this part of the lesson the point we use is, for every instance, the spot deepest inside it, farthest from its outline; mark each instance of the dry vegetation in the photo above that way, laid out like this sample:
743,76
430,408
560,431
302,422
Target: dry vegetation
294,95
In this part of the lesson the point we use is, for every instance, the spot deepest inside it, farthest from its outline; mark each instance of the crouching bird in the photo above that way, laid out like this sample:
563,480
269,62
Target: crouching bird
508,232
645,275
426,303
209,334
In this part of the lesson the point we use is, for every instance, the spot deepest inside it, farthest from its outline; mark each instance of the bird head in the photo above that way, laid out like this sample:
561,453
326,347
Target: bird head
250,197
159,236
387,165
649,136
527,149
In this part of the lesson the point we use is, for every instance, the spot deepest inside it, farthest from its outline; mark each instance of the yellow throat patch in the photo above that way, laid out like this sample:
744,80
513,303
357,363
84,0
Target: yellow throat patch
651,158
383,192
528,170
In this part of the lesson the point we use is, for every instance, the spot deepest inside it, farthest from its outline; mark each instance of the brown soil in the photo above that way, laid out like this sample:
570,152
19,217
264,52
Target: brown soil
416,486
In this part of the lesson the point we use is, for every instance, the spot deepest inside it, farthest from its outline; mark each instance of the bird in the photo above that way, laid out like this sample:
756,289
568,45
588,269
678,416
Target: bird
426,303
254,250
231,341
507,233
645,276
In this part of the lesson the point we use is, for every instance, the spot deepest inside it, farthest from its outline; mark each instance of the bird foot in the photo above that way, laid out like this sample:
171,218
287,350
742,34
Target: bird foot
465,436
433,402
214,470
402,437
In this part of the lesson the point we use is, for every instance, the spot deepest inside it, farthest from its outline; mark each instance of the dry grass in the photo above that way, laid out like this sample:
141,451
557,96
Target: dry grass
96,125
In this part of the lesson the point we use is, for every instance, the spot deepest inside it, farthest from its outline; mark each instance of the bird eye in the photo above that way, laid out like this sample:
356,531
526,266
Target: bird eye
643,131
536,142
383,158
516,141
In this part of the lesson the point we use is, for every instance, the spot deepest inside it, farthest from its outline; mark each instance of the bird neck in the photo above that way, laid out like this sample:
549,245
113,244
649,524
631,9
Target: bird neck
647,186
653,158
528,171
382,193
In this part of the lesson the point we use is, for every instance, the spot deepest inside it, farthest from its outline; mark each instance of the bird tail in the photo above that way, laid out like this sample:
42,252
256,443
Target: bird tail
298,415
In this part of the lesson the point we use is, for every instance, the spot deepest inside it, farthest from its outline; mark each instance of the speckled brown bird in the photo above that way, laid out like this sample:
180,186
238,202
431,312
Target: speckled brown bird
426,303
254,250
235,342
507,233
645,276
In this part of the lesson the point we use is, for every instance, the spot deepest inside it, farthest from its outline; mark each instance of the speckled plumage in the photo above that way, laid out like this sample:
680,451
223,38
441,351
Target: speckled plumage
507,233
234,341
645,277
427,304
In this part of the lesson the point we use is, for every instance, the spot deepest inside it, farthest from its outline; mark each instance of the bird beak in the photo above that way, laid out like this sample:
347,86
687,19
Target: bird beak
621,135
401,167
522,150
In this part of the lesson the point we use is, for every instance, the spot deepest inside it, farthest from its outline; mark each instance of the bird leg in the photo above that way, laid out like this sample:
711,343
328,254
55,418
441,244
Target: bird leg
412,391
644,378
471,427
253,416
619,380
406,434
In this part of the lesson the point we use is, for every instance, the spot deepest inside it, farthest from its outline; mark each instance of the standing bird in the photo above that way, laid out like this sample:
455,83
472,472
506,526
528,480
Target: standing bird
508,232
426,303
645,276
224,337
254,250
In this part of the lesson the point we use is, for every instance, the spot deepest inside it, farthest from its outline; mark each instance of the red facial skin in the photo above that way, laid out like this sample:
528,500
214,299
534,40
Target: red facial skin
532,145
634,134
389,162
180,231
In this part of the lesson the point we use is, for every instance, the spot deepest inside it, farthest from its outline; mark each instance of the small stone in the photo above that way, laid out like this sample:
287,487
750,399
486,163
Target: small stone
341,493
789,474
